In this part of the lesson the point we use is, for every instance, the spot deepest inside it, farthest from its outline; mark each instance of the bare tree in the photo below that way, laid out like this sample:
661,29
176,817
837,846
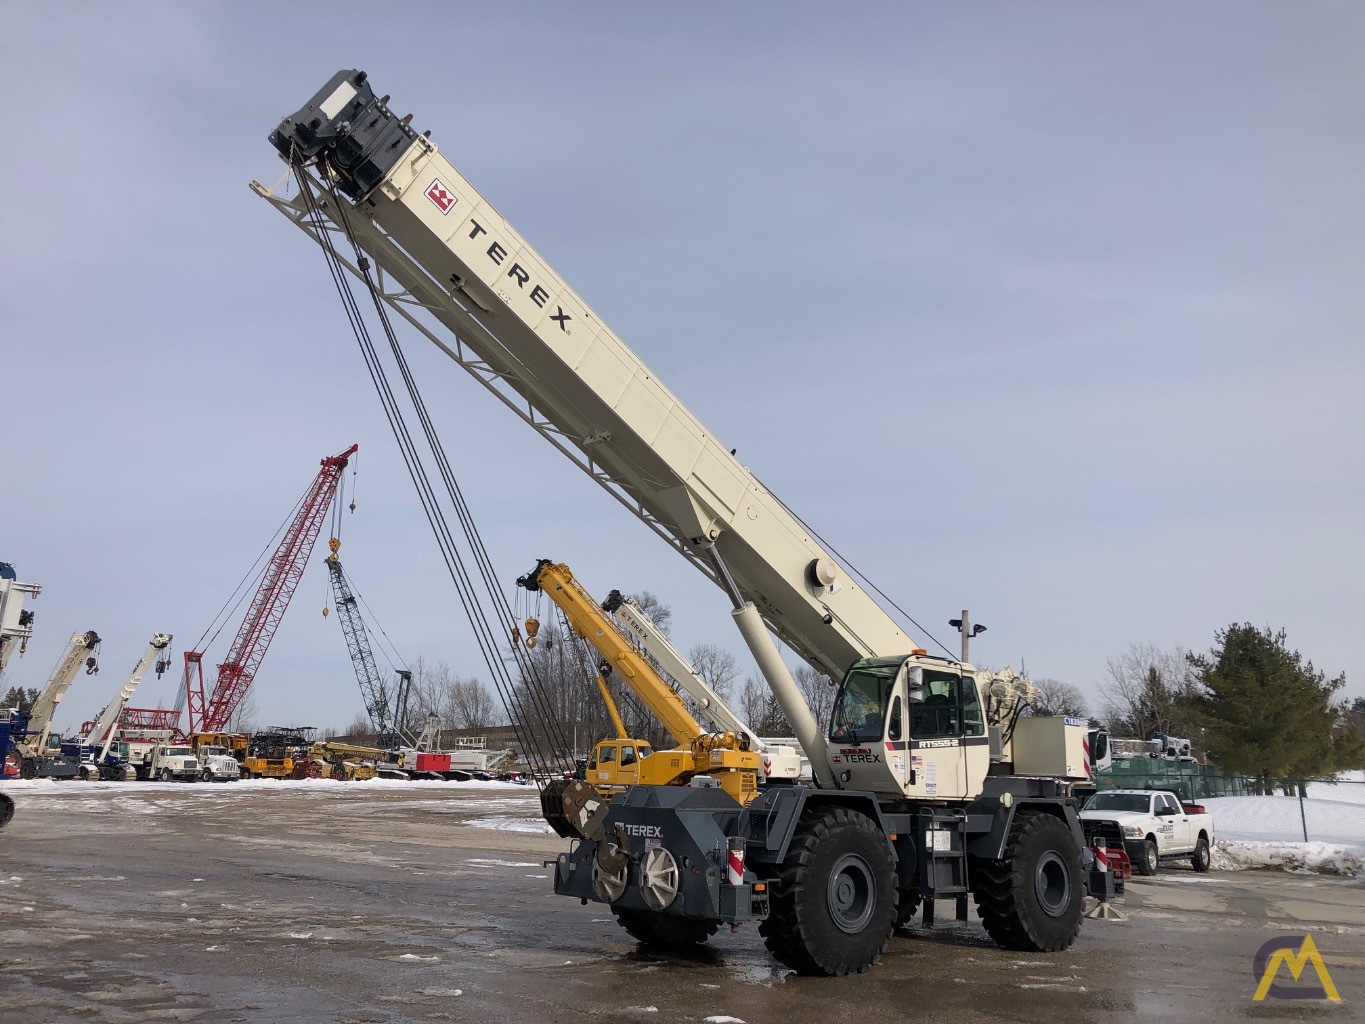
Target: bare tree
655,610
1059,698
471,704
243,717
753,702
360,726
717,667
818,690
1147,690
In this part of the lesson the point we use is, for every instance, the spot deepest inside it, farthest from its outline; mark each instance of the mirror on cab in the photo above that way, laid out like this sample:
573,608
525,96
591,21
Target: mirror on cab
914,684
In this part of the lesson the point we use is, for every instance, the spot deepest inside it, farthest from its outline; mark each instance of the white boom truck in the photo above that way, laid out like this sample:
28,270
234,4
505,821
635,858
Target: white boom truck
915,796
94,750
779,762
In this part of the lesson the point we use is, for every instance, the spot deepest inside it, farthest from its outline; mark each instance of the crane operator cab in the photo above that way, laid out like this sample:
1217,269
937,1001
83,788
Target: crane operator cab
911,725
616,762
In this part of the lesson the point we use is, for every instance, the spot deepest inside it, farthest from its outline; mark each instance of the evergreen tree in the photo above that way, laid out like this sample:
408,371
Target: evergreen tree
18,697
1265,710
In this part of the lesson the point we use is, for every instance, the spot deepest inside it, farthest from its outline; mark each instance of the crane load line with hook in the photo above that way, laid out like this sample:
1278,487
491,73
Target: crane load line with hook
528,705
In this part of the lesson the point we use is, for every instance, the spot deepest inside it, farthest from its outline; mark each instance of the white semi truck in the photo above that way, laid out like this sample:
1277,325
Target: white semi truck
916,796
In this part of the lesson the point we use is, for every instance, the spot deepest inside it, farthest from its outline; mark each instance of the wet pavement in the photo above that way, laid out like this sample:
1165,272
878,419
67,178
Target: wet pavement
428,902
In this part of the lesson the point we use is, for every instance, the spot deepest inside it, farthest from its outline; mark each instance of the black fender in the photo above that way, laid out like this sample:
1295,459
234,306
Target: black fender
991,816
770,822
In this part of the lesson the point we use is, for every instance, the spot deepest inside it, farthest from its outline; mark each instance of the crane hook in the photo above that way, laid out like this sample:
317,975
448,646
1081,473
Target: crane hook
532,628
92,667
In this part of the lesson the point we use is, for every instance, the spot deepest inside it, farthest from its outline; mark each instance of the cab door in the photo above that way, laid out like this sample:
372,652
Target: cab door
628,768
603,769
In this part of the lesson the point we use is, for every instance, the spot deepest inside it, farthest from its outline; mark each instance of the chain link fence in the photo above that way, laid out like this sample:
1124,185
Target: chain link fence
1288,810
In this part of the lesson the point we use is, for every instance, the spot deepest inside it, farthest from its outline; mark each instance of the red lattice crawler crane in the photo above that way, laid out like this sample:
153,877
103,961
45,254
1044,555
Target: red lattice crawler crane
211,711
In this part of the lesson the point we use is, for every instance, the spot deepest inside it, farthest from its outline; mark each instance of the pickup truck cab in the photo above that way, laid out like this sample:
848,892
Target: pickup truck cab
1155,825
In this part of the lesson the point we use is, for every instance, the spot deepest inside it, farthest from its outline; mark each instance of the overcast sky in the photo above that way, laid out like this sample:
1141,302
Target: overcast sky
1051,311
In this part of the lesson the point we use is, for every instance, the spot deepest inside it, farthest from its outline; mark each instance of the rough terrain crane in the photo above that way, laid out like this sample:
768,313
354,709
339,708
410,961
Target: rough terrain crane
779,761
92,750
915,794
29,732
724,756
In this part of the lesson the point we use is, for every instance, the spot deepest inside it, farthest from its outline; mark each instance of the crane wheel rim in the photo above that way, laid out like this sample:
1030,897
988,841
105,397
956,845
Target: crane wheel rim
851,894
660,879
1052,884
609,885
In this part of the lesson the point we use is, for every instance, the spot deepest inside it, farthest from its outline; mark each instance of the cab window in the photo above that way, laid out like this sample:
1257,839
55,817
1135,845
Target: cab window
938,714
894,729
972,718
627,755
606,755
859,714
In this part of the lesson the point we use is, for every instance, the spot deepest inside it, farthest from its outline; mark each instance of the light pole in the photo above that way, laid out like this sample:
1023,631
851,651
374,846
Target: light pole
965,627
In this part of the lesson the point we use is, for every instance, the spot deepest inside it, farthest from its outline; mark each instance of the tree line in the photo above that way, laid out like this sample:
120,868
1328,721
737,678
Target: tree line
1250,704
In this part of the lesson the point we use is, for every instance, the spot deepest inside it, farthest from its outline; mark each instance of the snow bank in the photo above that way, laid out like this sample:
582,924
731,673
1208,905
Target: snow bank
1324,858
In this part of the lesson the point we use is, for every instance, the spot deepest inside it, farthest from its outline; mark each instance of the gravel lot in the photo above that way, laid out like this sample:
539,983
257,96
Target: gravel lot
384,902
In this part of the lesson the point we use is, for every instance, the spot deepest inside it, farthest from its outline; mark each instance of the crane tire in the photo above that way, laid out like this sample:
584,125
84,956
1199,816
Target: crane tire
1031,899
907,907
6,810
833,905
28,768
654,929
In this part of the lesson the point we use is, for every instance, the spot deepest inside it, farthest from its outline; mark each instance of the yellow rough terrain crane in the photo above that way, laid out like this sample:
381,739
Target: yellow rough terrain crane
621,762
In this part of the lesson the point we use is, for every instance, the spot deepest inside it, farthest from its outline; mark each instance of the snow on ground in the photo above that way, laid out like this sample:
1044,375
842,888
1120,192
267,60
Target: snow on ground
1303,858
501,824
369,787
1268,831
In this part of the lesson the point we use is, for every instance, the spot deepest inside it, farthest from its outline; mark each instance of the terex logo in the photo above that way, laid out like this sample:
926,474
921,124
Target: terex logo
860,755
647,831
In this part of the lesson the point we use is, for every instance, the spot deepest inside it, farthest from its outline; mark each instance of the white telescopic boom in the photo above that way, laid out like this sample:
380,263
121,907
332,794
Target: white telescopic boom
63,675
103,730
497,308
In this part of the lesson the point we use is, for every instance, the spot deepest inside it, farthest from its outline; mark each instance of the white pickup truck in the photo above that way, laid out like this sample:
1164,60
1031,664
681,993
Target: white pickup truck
1155,825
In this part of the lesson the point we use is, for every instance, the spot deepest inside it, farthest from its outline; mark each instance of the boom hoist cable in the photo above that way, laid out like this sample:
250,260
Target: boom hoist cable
524,702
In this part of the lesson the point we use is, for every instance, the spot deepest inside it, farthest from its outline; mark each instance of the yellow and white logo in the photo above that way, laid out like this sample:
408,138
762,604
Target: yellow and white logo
1280,952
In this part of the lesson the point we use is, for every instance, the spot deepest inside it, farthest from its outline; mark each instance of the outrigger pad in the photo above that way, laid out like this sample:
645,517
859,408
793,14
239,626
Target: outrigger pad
1103,910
